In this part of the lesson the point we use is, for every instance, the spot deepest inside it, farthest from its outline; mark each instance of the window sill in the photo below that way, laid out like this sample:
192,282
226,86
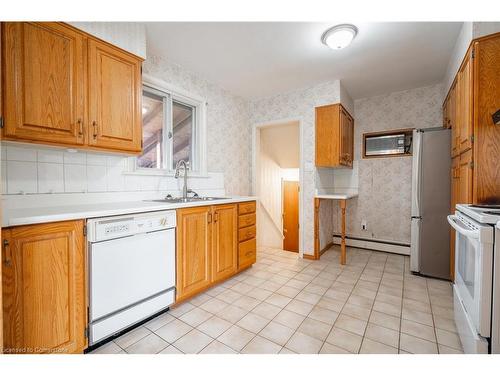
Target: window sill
163,173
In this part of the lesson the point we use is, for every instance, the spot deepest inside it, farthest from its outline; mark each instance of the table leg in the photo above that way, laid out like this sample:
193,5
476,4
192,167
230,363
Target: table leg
343,255
316,228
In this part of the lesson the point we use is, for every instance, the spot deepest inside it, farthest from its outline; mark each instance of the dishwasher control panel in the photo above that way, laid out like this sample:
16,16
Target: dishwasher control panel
128,225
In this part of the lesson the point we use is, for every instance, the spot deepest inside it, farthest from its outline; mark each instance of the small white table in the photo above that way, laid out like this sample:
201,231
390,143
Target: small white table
342,197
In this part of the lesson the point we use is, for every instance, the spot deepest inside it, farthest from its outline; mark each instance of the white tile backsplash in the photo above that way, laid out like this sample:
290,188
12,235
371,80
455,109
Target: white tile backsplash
75,178
96,178
50,178
75,158
3,165
96,159
21,177
50,156
21,153
52,171
115,178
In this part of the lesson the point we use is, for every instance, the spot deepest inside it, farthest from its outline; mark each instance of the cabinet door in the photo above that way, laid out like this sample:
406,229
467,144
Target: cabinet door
44,88
114,98
465,178
327,136
346,138
194,258
44,288
465,111
225,241
455,130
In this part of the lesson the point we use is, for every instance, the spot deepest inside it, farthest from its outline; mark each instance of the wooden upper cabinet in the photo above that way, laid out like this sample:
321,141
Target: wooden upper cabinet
114,98
64,87
44,301
194,257
454,118
334,137
44,82
465,104
225,241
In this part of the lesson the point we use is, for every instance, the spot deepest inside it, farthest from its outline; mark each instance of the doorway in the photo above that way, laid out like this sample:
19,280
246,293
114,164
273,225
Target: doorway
276,178
291,191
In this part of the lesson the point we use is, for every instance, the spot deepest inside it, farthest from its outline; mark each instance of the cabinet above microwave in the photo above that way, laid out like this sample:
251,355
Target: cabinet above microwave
388,143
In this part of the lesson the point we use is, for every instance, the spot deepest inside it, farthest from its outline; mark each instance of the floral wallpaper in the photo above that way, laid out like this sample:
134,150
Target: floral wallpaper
384,199
299,105
228,131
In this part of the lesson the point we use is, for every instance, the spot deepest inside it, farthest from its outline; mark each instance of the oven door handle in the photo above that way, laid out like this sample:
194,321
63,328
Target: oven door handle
460,228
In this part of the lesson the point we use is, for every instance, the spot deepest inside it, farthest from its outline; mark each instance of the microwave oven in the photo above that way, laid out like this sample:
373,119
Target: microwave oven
393,144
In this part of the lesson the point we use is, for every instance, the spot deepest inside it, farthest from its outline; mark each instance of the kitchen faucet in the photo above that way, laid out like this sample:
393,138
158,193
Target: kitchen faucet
184,164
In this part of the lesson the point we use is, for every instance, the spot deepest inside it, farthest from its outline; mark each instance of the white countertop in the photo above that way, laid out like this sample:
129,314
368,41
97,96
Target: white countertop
336,196
35,215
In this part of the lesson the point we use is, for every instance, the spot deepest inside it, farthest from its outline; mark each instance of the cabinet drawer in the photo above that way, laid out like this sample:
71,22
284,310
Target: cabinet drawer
247,253
247,233
246,208
246,220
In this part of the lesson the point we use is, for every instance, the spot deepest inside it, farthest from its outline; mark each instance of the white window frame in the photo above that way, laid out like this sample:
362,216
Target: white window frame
199,149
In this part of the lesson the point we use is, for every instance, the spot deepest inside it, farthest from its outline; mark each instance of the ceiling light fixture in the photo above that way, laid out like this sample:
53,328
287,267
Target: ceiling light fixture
339,36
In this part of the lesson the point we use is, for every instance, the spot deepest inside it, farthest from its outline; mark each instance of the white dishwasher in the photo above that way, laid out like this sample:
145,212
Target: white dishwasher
131,270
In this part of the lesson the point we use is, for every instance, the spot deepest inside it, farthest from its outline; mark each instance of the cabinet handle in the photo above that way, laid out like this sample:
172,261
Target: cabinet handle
80,127
94,124
209,219
216,217
249,253
8,259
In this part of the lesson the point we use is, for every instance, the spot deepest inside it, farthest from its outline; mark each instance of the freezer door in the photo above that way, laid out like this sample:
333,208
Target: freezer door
416,172
415,245
434,203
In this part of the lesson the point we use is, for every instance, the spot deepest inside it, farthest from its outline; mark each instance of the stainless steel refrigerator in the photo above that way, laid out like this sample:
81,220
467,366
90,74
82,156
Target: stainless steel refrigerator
430,232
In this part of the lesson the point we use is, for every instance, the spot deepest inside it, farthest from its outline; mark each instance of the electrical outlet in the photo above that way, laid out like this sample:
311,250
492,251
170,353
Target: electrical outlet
363,225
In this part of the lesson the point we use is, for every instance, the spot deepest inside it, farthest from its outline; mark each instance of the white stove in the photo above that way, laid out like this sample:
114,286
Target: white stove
477,276
486,214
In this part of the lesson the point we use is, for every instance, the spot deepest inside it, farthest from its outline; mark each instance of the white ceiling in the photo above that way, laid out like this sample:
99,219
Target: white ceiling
255,60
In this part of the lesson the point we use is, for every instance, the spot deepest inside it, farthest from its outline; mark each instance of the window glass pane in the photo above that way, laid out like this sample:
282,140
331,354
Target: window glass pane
182,125
152,131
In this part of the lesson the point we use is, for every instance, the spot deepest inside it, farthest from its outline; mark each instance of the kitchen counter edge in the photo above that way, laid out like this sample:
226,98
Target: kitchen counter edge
40,215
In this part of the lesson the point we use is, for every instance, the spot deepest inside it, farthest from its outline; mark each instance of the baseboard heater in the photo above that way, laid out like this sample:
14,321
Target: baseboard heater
373,244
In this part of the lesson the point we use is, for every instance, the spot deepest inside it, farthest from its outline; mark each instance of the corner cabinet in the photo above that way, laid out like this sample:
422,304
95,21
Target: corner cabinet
64,87
44,294
334,137
207,247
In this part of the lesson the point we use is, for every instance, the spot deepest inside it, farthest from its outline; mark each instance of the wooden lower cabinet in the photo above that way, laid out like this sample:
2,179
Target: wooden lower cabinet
209,248
194,250
225,241
247,233
44,288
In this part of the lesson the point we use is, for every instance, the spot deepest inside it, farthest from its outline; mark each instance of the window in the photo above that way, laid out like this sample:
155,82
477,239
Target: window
172,130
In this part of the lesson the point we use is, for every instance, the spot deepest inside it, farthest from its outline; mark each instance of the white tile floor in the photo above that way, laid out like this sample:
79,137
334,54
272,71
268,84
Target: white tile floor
285,304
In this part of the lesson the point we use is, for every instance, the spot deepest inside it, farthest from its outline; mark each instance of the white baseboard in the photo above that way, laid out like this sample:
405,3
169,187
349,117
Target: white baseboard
372,245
